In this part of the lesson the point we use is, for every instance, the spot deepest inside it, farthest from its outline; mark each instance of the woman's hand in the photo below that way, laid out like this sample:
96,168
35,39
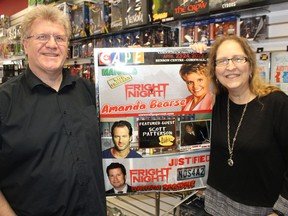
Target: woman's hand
199,47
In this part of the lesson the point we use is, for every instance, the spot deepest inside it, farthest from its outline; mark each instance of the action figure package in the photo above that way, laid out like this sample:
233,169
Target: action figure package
96,18
159,37
137,38
223,26
80,20
98,42
117,15
187,33
254,28
202,31
135,13
127,39
162,37
162,10
147,39
184,8
66,8
108,41
76,50
4,21
173,37
117,40
107,15
90,47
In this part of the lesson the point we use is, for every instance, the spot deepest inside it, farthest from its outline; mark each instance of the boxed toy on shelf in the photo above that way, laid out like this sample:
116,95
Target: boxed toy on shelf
187,33
162,10
202,31
223,26
184,8
96,18
254,28
117,15
80,20
136,13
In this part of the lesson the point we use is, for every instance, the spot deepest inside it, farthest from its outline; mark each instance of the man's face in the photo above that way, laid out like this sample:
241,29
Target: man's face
121,138
116,178
197,84
189,129
46,57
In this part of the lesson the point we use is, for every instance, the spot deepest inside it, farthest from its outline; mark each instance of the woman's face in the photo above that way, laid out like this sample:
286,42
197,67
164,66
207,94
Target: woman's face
197,84
234,76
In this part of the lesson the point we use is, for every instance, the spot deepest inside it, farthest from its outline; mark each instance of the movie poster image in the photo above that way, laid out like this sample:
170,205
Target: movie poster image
154,105
279,70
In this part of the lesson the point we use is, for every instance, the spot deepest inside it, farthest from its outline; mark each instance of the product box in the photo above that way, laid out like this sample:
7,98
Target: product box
184,8
137,39
147,38
127,39
187,33
117,15
202,31
107,15
4,21
254,28
65,7
162,10
80,20
96,19
135,13
223,26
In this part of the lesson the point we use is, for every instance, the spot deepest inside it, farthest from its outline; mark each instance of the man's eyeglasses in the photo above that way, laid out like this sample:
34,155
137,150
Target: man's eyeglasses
236,60
44,38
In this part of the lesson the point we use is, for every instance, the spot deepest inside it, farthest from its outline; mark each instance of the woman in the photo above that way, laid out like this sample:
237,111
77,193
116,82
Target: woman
248,172
195,75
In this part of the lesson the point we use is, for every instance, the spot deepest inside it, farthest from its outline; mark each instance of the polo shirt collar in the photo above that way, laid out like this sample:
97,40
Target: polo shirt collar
34,81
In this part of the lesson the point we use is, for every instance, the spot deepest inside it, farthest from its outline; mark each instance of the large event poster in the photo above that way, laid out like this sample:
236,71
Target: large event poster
169,115
279,70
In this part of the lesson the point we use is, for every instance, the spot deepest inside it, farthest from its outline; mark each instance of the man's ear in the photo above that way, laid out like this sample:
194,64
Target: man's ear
25,46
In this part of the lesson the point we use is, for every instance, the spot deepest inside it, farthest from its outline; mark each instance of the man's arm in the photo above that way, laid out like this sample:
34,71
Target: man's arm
5,209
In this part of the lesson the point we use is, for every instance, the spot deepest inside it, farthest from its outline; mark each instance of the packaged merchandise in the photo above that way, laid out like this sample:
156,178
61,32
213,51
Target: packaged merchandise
162,10
223,26
254,28
202,31
117,15
80,20
96,19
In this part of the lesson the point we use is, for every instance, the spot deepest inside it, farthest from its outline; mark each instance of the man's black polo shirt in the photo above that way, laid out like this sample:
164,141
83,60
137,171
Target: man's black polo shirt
50,153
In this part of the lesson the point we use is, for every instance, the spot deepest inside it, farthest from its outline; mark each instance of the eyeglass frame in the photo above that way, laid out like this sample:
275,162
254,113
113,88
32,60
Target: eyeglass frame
233,60
45,41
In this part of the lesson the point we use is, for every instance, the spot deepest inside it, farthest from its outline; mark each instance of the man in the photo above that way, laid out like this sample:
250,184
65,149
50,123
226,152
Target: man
50,155
122,136
116,173
192,135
